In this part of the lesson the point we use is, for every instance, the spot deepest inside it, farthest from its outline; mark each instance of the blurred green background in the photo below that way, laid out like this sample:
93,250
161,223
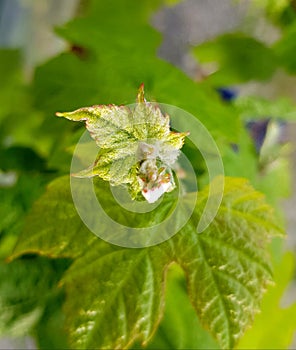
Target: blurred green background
232,63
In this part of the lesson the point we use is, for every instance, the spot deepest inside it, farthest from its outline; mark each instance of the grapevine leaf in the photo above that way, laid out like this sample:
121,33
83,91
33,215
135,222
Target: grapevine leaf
40,236
16,200
122,288
173,331
226,267
137,146
60,211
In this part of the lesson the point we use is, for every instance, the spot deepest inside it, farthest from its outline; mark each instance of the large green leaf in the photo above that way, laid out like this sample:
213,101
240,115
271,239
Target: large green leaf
109,73
50,332
25,286
239,58
16,201
130,285
174,331
59,209
115,295
227,264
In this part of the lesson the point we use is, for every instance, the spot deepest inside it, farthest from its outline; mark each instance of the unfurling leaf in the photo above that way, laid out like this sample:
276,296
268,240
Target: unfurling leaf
137,147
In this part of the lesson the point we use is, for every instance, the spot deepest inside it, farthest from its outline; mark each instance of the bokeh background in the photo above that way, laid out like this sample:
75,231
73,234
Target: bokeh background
29,26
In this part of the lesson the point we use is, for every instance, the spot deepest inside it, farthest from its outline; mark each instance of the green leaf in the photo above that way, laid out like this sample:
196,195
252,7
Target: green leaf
21,158
180,327
110,74
50,332
254,107
16,200
279,11
262,173
130,287
33,137
60,211
25,286
239,58
10,82
275,326
226,266
285,49
137,147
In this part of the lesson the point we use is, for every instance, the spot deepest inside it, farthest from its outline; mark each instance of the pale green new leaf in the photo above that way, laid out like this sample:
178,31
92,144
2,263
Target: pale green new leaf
115,295
110,126
136,144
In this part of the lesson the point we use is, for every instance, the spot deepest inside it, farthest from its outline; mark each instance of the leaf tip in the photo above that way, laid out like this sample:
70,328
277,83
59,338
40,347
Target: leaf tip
141,93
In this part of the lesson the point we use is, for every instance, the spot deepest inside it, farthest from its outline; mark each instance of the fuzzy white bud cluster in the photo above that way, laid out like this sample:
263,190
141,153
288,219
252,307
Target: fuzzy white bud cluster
155,174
